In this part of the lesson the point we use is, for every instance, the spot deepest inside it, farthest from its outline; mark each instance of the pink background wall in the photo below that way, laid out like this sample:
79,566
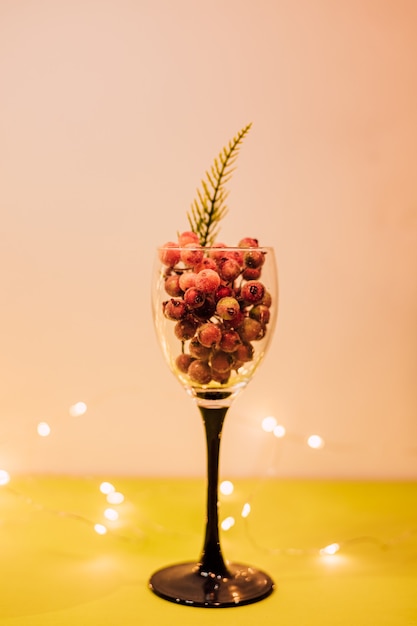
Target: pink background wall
110,112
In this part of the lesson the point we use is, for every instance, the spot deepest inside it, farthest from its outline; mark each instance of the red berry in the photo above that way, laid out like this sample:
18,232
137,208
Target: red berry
185,329
172,286
221,362
228,308
191,254
261,313
229,270
209,334
230,341
251,330
254,258
183,362
187,280
199,372
248,242
207,280
199,351
169,254
194,298
205,311
244,352
206,264
174,309
252,292
251,273
188,237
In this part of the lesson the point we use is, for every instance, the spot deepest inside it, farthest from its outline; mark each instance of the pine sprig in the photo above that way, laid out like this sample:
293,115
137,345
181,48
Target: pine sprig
209,207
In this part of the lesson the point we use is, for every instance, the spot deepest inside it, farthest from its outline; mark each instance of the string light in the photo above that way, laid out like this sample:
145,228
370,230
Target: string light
107,488
246,509
279,431
329,550
315,441
115,497
77,409
100,529
269,423
228,523
43,429
226,487
111,514
4,477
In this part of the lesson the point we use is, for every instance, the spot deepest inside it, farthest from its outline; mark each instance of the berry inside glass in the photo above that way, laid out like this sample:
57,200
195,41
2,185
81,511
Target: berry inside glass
214,309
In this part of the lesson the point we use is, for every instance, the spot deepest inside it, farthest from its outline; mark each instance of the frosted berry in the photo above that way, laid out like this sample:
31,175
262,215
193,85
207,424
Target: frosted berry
221,362
191,254
252,292
244,352
227,308
217,254
172,286
183,362
229,270
199,351
206,264
248,242
194,298
200,372
230,341
253,258
205,311
185,329
187,280
261,313
188,237
266,300
169,254
174,309
222,292
251,330
209,334
207,280
251,273
220,377
236,321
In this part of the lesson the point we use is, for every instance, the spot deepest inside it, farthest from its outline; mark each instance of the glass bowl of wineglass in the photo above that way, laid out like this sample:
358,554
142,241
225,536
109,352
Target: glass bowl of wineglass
214,310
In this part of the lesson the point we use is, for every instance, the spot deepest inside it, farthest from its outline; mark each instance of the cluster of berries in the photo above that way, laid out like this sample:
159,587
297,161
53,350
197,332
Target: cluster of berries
218,303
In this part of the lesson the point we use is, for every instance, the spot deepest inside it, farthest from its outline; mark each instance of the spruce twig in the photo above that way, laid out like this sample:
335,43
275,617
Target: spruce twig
209,207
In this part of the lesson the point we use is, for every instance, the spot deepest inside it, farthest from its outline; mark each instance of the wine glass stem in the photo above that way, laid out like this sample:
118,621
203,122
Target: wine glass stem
212,562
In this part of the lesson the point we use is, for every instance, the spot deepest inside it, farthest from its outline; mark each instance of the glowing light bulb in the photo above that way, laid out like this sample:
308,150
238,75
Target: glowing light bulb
100,529
43,429
4,477
111,514
330,549
269,423
114,497
315,441
279,431
246,509
77,409
227,523
107,488
226,487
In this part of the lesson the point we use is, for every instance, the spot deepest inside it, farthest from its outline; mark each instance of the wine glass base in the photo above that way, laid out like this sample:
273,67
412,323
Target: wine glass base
184,584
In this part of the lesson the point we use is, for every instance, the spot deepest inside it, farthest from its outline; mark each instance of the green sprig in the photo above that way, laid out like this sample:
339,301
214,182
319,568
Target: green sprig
209,207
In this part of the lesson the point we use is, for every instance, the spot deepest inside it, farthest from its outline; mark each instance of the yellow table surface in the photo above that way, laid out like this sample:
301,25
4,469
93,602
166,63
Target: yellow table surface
57,571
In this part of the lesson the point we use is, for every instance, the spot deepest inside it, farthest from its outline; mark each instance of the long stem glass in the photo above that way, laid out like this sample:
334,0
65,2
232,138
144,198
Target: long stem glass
223,328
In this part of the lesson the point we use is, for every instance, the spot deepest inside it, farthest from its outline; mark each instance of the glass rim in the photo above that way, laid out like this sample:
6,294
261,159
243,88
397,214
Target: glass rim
214,247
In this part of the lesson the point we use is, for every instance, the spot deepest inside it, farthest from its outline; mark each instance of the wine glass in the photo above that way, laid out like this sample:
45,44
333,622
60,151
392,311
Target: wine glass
214,310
